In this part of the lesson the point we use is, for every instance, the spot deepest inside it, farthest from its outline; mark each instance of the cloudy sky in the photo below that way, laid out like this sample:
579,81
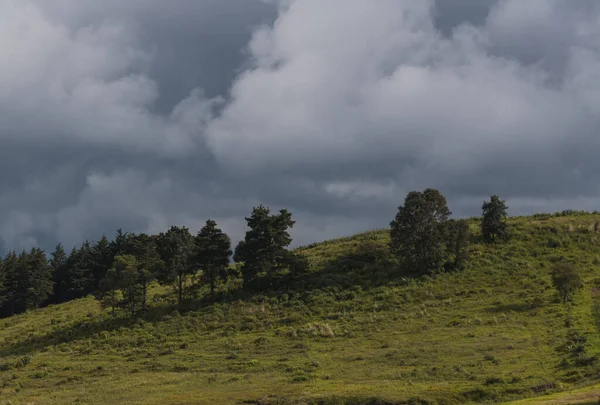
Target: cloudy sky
141,114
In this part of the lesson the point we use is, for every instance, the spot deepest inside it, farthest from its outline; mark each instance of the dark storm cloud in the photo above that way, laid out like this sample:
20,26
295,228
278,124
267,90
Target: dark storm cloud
144,113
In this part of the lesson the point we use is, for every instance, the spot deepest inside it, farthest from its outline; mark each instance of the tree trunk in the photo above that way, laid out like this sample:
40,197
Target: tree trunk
144,293
180,291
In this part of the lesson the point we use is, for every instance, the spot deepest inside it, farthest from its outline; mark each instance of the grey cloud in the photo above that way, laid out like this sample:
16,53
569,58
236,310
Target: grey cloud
143,113
401,89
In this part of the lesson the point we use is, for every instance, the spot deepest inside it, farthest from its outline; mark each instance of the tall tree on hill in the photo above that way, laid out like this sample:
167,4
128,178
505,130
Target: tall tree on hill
493,225
128,276
149,263
11,283
119,244
419,232
212,253
263,249
58,262
109,289
101,258
38,285
175,248
79,277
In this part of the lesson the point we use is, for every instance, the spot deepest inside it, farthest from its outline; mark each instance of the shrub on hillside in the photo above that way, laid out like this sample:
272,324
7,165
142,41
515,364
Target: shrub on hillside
566,280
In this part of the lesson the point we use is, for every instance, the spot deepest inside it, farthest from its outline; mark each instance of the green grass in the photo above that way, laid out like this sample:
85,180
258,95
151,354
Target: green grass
351,331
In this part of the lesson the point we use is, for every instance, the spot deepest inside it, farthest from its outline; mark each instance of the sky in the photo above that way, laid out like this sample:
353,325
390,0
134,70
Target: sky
142,114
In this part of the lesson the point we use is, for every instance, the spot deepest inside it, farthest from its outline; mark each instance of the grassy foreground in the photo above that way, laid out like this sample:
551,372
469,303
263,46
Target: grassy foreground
351,333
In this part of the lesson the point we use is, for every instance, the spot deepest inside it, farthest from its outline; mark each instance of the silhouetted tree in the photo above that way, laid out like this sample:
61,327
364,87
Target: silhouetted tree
101,259
175,248
58,262
264,247
37,279
459,238
78,279
109,290
149,263
212,253
128,277
419,233
493,225
11,283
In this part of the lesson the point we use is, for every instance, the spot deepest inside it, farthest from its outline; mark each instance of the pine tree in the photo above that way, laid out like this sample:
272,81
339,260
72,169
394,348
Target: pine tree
493,225
264,247
79,278
175,248
109,290
419,233
149,263
58,261
38,285
212,253
101,259
127,274
11,283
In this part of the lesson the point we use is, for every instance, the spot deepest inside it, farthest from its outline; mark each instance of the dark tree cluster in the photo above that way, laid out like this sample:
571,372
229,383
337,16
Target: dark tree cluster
424,237
25,281
119,271
263,253
427,240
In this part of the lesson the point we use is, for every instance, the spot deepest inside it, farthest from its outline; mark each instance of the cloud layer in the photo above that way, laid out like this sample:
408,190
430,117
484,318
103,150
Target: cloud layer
138,115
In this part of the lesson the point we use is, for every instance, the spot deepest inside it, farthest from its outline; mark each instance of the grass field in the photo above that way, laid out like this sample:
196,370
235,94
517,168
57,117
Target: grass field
349,333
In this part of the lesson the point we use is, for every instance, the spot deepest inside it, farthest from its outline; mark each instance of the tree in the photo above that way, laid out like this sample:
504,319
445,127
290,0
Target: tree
108,290
419,232
566,280
101,259
459,237
175,248
128,280
264,247
149,263
212,253
493,225
38,285
11,283
78,279
58,261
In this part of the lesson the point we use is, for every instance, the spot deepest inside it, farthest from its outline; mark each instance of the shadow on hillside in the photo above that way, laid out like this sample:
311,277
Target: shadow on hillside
369,265
82,330
516,307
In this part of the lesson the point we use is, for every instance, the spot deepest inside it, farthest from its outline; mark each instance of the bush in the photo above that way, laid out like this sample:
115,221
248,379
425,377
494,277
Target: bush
566,280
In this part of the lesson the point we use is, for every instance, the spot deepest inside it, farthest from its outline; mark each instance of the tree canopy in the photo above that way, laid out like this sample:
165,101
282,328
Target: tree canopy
493,224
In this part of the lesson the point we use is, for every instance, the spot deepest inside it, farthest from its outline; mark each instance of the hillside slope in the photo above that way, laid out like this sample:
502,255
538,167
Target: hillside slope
350,332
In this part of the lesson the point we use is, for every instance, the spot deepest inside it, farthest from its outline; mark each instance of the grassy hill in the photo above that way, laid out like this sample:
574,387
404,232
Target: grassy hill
352,332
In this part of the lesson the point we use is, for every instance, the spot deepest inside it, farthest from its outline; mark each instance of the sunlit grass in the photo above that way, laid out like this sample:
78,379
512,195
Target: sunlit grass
356,331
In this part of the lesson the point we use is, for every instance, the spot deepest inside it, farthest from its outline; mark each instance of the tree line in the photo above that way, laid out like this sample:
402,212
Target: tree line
118,272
